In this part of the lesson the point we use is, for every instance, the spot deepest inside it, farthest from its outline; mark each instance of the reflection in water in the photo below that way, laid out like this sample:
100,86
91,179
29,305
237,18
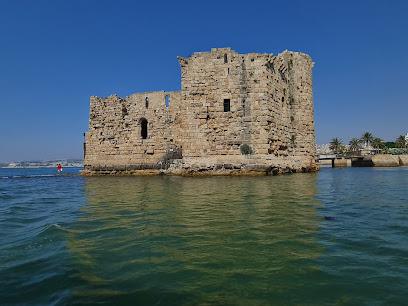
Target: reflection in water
175,240
69,240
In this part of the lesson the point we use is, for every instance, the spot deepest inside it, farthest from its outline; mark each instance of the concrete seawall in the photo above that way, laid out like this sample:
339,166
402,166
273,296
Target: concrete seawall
341,162
379,160
385,160
403,160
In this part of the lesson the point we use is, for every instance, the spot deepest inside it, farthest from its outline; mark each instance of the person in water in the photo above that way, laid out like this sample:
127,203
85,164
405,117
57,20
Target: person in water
59,167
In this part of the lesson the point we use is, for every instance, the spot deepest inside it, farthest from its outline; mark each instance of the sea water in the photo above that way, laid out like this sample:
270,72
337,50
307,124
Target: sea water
337,237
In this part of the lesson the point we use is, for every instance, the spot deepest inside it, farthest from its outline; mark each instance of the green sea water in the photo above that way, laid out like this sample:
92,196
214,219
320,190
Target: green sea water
338,237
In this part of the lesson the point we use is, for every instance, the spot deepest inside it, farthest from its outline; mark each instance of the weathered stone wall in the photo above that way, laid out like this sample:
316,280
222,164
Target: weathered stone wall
114,138
271,110
271,107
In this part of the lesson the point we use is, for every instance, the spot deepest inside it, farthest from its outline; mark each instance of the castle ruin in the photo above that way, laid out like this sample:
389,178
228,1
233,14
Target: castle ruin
236,114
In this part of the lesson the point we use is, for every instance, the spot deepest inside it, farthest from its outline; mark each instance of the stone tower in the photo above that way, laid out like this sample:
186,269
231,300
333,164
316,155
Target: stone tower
235,114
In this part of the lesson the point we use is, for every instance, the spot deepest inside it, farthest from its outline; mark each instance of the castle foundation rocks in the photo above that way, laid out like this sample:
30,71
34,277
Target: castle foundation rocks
236,114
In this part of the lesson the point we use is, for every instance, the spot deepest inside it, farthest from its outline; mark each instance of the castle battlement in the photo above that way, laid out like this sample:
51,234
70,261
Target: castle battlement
235,114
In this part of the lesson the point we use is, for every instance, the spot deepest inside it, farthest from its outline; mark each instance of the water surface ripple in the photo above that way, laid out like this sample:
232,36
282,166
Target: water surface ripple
339,237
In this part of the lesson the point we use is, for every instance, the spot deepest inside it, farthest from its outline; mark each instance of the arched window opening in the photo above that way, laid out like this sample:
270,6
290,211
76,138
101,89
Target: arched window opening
225,58
147,102
143,128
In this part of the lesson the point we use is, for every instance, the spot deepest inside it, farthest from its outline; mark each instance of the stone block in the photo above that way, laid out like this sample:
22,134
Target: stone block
385,160
403,160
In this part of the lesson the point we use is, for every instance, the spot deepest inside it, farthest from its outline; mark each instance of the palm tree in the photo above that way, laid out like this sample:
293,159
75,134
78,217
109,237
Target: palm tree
355,145
336,145
400,142
367,138
377,143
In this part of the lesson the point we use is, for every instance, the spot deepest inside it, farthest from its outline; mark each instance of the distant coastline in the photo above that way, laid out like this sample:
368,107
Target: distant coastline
66,163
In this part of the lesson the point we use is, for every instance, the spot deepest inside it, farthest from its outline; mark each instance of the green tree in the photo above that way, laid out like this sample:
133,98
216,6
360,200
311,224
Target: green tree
390,144
378,143
336,145
354,145
400,142
367,138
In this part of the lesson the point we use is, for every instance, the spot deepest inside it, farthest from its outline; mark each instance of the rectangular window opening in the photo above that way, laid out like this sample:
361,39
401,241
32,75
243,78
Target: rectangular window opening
227,105
167,101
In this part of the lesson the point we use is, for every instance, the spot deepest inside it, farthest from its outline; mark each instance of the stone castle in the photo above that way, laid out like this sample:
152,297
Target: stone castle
236,114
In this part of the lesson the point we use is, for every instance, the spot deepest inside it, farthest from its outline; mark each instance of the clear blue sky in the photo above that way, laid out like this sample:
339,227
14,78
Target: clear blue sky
55,54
